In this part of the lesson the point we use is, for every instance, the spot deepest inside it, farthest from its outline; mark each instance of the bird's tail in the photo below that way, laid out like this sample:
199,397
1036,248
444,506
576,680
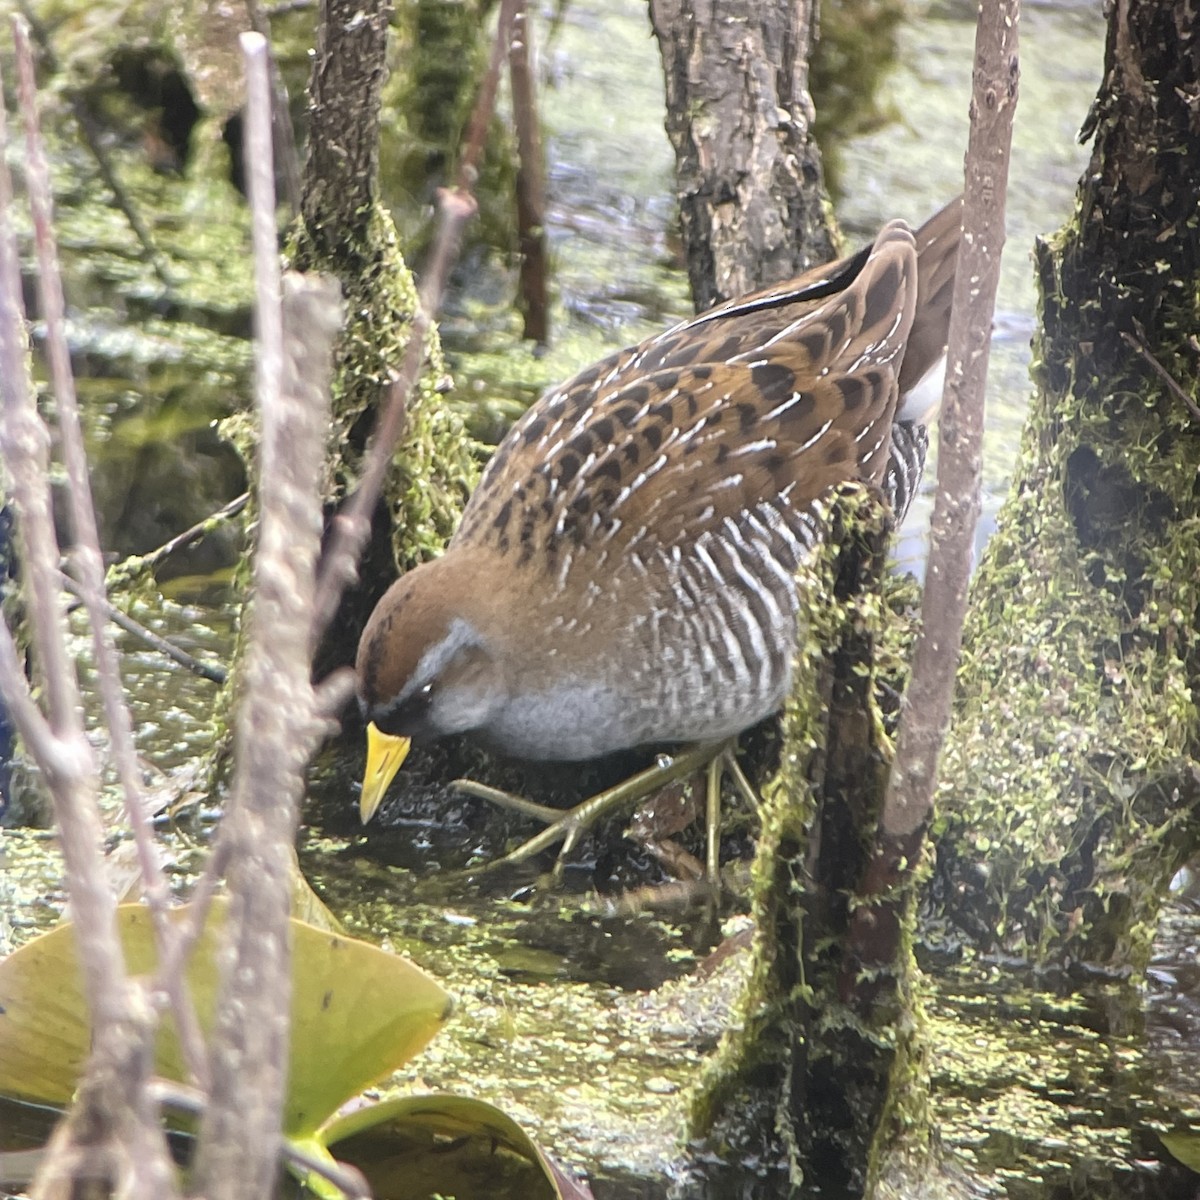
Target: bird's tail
937,259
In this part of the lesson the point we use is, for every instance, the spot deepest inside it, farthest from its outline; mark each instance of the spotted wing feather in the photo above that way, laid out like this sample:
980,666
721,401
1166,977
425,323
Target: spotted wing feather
775,396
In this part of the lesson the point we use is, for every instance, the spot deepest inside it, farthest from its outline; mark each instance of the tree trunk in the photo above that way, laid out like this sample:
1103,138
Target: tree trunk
751,195
347,233
1072,787
341,175
800,1086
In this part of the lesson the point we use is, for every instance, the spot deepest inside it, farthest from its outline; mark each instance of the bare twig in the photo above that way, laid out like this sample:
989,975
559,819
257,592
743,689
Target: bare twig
39,739
1138,343
531,188
277,724
122,1033
87,550
908,801
285,136
351,527
485,103
191,926
199,531
25,441
136,629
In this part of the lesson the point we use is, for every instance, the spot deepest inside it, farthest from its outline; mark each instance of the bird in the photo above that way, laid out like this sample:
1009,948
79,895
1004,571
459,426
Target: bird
624,573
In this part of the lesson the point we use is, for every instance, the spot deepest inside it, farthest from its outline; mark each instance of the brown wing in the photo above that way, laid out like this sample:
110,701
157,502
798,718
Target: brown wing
776,395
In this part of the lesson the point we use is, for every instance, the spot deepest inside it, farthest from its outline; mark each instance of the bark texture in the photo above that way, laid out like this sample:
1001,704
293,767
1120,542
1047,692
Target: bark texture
346,233
751,193
1073,791
342,171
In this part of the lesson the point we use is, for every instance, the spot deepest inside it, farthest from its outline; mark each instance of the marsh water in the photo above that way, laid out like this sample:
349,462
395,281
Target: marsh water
574,1011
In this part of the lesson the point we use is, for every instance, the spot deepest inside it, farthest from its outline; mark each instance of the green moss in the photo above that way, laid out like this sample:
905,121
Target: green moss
792,1023
856,48
1066,779
436,463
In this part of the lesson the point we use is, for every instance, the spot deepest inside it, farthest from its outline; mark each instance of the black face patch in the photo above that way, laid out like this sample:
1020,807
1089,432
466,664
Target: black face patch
410,717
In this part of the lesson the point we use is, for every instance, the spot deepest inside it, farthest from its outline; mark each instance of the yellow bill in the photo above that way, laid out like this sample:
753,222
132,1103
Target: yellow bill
385,753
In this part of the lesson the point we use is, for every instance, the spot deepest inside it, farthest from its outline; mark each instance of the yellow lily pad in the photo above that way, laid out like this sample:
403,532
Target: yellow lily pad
358,1013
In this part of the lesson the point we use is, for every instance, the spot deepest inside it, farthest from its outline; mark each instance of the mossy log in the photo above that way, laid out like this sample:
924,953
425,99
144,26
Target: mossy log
800,1086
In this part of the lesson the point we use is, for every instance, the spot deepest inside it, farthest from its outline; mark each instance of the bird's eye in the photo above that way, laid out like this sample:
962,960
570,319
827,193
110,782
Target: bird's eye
426,691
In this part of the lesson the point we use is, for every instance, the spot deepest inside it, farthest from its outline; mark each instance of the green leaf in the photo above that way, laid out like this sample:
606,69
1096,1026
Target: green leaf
445,1145
1184,1144
358,1013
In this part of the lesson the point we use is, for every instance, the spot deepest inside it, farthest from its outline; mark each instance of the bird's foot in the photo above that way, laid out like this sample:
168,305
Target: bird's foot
568,827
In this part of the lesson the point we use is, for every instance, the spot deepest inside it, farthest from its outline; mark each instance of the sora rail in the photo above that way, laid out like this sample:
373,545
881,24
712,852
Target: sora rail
624,572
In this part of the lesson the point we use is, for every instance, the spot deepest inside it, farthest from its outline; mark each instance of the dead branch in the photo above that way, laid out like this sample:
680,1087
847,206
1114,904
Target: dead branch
165,647
277,724
189,537
1138,343
87,556
281,116
531,184
118,1118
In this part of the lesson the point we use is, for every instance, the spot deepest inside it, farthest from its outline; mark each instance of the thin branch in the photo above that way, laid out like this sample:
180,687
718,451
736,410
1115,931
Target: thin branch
122,1036
485,103
86,551
199,531
1138,343
277,723
35,731
531,187
191,926
285,135
25,440
136,629
908,802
